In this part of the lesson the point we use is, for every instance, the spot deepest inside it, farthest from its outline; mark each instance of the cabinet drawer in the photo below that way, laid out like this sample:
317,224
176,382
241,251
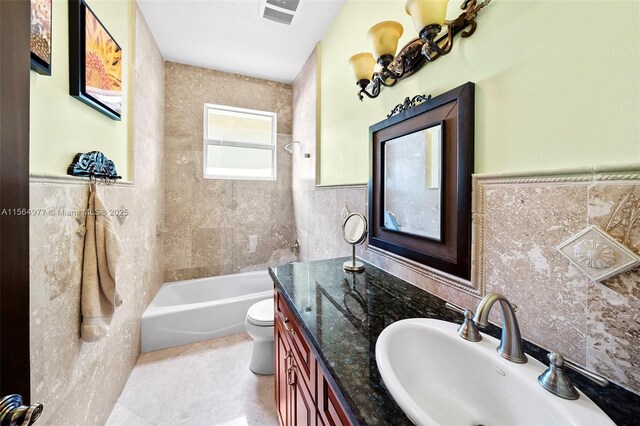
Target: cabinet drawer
279,304
299,346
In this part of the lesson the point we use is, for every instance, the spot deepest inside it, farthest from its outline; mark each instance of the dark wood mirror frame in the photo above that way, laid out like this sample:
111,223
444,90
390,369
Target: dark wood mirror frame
452,254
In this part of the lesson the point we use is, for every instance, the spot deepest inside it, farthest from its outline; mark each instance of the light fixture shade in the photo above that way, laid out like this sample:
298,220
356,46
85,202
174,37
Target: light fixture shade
426,12
384,38
362,65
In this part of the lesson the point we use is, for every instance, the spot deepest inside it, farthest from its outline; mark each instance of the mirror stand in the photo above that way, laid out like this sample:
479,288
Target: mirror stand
353,265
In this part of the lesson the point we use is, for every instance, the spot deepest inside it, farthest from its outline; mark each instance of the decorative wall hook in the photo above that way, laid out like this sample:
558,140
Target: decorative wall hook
94,165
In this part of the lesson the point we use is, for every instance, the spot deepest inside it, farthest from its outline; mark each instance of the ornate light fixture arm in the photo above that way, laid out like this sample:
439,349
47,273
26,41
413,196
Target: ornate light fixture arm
375,91
427,47
433,49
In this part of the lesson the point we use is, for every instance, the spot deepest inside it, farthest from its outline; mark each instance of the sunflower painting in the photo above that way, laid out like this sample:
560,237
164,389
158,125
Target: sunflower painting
41,36
96,69
103,64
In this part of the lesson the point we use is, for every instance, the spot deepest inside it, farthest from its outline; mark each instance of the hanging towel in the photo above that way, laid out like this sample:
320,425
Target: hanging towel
102,250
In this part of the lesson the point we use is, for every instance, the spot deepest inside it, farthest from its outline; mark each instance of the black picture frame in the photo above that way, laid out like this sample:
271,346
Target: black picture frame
77,58
38,64
452,253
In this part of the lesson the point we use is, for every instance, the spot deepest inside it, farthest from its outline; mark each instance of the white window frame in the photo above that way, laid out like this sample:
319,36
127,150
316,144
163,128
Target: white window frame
272,147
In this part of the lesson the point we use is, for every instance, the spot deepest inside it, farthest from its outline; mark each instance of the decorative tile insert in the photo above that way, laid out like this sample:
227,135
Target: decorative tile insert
598,255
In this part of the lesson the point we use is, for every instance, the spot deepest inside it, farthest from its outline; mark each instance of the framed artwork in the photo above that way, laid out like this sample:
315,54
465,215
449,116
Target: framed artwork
41,36
95,62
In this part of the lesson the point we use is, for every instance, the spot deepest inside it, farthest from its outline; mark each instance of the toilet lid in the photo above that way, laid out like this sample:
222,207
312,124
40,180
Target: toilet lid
261,313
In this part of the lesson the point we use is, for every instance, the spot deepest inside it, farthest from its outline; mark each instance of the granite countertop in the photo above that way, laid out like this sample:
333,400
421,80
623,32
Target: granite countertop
343,314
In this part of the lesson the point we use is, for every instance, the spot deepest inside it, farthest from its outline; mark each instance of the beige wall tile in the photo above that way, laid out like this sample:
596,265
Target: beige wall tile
523,225
79,382
613,322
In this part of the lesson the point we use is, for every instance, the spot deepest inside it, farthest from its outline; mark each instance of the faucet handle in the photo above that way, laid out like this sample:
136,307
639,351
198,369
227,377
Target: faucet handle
596,378
453,307
468,330
558,383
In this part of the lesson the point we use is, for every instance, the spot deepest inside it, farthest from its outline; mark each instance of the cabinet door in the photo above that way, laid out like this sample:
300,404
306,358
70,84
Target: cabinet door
329,408
283,362
303,409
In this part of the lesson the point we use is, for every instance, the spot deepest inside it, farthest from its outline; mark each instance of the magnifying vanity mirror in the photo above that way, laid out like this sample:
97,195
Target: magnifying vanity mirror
354,231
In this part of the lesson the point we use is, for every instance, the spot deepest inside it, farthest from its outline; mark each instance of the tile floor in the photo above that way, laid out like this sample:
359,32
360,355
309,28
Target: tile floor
205,383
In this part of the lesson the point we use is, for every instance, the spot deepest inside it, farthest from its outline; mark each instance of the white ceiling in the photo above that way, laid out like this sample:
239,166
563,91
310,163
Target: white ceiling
231,36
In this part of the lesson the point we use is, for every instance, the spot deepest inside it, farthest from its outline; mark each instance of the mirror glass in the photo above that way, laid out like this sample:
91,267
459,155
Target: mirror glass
354,229
412,185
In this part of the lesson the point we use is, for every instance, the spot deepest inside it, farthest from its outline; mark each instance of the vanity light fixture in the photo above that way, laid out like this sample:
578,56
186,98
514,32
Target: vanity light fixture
429,19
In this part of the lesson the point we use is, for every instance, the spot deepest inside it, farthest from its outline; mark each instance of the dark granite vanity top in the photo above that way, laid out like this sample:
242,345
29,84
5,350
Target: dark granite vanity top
342,315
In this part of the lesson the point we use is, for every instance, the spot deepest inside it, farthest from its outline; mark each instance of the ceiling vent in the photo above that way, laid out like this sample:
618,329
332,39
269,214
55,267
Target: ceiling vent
281,11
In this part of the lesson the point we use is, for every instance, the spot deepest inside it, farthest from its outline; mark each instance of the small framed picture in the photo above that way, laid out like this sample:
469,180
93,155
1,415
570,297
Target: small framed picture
95,62
41,36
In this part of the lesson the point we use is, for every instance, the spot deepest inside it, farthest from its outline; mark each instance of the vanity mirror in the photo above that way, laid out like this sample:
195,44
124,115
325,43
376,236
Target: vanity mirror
412,195
354,231
420,182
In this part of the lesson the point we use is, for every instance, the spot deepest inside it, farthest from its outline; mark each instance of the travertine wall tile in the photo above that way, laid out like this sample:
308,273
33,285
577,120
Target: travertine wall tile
304,169
523,225
79,382
211,221
613,323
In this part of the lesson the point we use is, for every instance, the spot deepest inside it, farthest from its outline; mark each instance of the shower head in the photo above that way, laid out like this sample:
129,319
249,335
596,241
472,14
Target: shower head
289,147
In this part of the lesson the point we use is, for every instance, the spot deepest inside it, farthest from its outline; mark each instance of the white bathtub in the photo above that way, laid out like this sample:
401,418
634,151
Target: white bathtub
189,311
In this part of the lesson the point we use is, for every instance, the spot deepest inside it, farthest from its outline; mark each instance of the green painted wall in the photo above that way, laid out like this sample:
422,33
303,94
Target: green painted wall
62,126
557,85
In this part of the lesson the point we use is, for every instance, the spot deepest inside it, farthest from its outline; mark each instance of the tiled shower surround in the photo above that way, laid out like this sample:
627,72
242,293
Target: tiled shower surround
210,221
518,221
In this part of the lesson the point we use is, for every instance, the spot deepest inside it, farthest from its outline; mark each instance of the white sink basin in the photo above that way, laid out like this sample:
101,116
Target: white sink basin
438,378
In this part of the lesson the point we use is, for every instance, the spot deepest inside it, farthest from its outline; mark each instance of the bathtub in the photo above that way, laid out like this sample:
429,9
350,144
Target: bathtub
189,311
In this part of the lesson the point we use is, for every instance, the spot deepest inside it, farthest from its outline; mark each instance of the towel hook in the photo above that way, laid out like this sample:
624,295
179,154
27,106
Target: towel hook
94,165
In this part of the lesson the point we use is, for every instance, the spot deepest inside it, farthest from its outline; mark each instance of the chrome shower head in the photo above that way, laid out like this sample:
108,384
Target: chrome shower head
289,147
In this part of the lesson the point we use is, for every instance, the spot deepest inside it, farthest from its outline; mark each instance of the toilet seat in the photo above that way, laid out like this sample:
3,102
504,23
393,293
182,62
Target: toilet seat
261,313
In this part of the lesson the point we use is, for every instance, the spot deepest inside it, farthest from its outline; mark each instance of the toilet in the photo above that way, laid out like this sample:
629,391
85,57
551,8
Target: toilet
259,325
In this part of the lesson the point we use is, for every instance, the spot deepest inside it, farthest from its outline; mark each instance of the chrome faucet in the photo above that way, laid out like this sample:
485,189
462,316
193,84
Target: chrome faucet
511,340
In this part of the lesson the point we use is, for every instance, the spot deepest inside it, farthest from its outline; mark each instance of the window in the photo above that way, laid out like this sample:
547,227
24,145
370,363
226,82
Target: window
239,143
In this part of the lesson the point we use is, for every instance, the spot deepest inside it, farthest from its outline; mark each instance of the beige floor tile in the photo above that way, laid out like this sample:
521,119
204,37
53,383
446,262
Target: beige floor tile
205,383
122,416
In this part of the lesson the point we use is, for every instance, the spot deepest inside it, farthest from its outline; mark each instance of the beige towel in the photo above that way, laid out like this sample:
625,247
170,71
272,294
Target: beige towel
102,250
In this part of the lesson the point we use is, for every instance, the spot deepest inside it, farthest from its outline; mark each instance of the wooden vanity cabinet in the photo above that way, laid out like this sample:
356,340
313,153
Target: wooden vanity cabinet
303,394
